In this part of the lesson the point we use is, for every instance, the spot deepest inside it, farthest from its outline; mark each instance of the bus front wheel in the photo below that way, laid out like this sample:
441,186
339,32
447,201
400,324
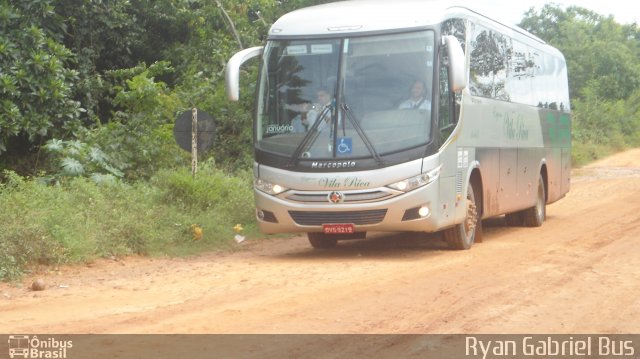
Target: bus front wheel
462,236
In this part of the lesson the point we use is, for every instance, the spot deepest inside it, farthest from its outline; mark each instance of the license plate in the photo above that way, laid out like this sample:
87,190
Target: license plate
339,228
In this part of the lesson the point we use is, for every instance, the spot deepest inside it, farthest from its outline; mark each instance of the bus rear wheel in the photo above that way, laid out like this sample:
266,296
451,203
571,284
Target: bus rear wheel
462,236
534,216
321,240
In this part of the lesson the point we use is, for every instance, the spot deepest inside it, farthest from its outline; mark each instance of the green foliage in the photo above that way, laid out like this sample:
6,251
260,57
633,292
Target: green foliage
138,140
202,59
77,158
601,54
140,136
113,35
30,226
77,219
93,54
36,82
210,189
601,127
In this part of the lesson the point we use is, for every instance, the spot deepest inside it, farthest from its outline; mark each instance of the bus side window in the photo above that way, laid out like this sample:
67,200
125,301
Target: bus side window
446,121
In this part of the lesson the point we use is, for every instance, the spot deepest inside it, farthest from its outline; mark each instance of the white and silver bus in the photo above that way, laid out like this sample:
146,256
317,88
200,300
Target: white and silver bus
404,116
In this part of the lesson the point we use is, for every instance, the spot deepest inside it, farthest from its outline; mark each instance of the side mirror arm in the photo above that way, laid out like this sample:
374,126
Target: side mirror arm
232,71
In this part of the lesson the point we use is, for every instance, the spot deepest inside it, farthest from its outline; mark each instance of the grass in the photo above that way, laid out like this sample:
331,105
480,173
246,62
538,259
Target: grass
78,220
585,153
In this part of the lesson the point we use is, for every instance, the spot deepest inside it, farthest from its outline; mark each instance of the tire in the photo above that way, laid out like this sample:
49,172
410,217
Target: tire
463,235
321,240
515,219
535,216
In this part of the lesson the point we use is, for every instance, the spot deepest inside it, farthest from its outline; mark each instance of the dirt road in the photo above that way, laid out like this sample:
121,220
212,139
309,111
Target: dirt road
579,272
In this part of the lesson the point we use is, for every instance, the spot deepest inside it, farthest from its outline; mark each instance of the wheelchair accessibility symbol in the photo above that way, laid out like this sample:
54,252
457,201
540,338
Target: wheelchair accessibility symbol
345,146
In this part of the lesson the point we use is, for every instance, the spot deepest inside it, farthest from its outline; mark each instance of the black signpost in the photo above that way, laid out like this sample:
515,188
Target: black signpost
194,132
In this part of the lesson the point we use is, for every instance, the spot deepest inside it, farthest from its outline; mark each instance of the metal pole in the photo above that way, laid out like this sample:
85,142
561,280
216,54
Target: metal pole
194,141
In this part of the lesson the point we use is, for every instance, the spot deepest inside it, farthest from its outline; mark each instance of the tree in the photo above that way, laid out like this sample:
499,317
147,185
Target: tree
67,76
36,79
601,54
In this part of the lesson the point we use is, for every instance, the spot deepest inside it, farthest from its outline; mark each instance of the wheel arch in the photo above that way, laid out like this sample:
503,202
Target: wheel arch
474,177
545,178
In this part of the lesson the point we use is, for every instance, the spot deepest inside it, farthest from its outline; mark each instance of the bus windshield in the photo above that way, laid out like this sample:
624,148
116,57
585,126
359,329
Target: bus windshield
347,98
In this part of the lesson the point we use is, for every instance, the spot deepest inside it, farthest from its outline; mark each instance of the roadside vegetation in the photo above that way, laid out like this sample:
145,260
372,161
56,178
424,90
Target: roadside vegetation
604,77
89,92
77,219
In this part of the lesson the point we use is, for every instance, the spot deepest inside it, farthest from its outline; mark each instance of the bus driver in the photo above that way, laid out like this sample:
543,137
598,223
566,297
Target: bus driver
418,99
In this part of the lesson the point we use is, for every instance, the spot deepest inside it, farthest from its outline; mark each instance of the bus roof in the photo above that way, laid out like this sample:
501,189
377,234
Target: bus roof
364,16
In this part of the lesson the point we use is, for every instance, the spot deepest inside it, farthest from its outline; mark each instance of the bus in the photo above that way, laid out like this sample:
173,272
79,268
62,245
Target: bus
340,151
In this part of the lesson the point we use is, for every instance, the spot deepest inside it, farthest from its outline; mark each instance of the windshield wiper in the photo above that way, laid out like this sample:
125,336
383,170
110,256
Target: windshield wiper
312,133
362,134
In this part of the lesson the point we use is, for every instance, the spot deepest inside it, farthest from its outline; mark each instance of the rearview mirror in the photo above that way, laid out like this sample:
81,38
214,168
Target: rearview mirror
457,71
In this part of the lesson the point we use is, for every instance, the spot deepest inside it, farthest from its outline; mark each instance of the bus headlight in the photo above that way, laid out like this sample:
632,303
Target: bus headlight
416,182
268,187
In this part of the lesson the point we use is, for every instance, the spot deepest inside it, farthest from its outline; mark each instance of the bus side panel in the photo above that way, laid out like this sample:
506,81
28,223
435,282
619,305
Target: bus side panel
509,147
489,159
446,211
508,195
557,140
554,174
558,173
529,165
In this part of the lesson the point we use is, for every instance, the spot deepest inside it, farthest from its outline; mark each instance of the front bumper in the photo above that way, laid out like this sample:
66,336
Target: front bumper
372,210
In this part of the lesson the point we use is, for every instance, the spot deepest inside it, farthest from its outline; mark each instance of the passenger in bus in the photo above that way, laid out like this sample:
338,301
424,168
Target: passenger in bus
418,98
300,123
309,113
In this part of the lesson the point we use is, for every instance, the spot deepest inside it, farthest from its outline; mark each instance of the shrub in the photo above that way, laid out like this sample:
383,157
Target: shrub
77,219
210,191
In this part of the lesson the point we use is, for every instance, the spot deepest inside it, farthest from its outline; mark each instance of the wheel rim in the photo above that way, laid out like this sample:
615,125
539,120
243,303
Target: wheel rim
471,219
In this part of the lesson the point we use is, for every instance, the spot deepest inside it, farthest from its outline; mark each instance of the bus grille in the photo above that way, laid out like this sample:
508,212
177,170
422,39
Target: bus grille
356,217
350,197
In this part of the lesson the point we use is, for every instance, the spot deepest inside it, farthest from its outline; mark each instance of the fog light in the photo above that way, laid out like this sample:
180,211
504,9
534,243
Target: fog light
260,214
424,211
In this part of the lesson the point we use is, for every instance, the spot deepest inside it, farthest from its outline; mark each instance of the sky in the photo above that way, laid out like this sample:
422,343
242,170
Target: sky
623,11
